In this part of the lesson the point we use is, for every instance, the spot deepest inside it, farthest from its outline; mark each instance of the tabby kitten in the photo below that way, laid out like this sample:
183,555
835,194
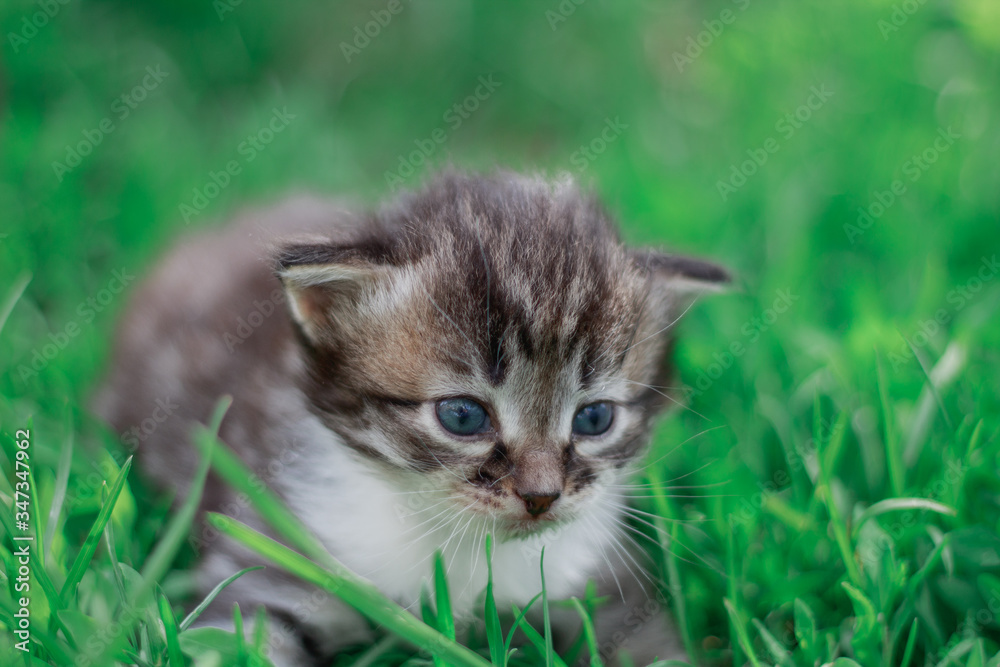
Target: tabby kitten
482,356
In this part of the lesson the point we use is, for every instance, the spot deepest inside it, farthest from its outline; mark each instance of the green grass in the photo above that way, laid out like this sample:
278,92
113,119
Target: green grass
833,492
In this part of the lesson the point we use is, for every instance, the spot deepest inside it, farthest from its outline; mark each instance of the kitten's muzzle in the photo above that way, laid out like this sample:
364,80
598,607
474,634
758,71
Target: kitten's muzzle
538,504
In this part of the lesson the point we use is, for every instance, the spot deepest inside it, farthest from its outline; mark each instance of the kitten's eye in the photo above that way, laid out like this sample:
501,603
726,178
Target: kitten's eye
462,416
593,419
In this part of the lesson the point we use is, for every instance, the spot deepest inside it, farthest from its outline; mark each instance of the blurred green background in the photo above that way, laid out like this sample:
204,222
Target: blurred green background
841,158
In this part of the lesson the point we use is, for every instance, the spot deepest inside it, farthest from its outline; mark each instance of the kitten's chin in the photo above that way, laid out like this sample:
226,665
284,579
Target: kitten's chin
517,529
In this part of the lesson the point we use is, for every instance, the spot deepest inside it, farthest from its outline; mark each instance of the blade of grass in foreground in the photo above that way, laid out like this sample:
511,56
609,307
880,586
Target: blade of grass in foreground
741,632
837,523
445,621
677,602
494,634
94,536
203,605
535,637
170,629
518,623
911,642
549,650
159,561
13,298
898,504
235,473
62,483
353,590
445,618
893,455
588,632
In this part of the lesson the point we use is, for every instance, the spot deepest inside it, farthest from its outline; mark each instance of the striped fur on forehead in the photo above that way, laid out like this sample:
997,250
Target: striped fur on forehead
521,267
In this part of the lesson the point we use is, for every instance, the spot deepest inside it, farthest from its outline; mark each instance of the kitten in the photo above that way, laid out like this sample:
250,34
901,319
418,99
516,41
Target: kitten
478,357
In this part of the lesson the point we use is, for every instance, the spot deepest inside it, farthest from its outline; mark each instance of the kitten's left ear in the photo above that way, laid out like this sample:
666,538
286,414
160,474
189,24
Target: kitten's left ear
684,277
328,285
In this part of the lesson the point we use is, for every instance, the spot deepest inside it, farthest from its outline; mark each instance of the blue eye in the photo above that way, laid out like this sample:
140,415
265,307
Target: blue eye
593,419
462,416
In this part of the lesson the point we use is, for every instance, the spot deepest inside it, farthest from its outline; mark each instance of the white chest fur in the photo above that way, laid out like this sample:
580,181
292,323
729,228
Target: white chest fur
390,536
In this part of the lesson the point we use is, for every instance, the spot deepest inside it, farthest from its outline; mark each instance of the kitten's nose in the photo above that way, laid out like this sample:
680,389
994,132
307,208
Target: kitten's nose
538,504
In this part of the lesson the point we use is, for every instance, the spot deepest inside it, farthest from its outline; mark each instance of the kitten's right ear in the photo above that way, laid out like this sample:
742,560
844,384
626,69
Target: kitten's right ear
683,276
325,285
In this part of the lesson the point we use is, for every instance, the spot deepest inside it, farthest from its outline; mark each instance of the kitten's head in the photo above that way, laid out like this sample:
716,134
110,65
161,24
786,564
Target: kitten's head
492,334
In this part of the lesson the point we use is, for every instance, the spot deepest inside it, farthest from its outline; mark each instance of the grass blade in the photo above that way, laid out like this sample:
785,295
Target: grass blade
893,455
778,652
376,651
549,650
353,590
159,561
267,504
837,522
62,483
170,629
896,504
203,605
535,637
259,629
911,643
494,633
13,298
677,601
241,644
741,632
445,618
589,633
179,527
947,369
519,619
94,536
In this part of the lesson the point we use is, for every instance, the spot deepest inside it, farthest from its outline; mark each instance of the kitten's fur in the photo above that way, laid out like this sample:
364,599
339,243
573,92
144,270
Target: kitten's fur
504,288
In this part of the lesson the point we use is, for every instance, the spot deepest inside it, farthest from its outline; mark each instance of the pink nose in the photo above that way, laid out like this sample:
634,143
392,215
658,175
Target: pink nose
538,504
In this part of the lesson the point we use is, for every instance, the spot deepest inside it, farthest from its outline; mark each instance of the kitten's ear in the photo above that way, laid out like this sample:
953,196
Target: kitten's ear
326,284
680,278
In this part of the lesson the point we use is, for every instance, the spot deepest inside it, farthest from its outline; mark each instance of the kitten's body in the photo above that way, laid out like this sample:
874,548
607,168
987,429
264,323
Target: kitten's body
504,289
